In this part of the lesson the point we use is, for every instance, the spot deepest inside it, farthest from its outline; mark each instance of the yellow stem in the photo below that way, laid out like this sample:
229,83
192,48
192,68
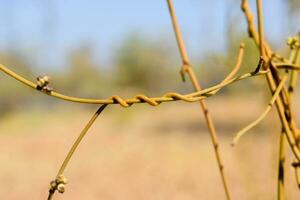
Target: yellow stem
188,69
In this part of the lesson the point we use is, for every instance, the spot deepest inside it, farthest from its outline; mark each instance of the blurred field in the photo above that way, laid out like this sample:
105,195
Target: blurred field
141,153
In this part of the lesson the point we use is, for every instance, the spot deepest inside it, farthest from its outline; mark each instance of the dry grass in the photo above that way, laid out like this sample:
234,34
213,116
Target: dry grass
125,156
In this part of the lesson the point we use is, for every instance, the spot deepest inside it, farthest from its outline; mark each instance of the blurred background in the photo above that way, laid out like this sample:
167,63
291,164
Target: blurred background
100,48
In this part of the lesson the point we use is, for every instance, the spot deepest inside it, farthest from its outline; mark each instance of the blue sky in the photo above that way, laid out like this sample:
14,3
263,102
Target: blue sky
47,29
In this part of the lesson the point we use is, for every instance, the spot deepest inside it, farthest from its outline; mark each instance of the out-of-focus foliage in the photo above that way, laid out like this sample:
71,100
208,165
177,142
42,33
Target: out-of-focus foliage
294,6
12,93
142,64
293,11
83,76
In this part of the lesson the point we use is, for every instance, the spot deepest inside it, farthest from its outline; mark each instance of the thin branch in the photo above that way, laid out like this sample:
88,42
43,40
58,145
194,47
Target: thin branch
271,78
66,161
251,27
186,68
296,61
289,66
297,175
260,28
296,165
281,167
282,142
294,56
263,115
140,98
237,65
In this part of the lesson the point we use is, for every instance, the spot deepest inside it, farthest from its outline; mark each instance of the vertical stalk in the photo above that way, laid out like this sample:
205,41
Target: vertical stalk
281,166
281,159
189,70
294,73
260,27
281,105
297,174
294,59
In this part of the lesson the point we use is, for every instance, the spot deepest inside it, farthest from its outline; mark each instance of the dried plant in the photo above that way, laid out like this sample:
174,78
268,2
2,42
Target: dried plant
281,75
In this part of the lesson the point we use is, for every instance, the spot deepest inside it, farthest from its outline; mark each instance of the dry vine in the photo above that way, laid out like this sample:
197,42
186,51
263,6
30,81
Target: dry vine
269,65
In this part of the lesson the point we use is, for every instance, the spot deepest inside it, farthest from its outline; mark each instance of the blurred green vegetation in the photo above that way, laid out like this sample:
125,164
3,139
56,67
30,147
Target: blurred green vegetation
142,63
294,6
12,93
82,76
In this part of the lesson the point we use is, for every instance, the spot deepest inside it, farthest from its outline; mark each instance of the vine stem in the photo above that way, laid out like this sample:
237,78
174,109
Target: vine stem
260,28
188,69
281,102
281,166
263,115
75,146
282,150
294,59
294,74
139,98
297,174
282,105
289,128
